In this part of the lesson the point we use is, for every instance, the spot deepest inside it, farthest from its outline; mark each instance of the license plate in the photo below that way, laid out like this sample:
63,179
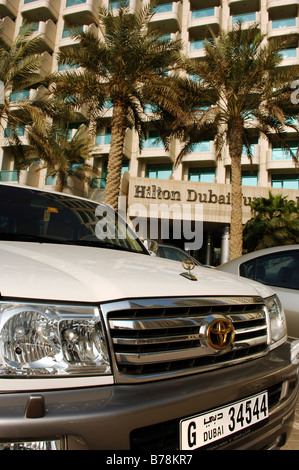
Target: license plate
206,428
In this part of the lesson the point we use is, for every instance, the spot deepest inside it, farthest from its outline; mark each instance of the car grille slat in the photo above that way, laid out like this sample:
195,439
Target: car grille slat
150,340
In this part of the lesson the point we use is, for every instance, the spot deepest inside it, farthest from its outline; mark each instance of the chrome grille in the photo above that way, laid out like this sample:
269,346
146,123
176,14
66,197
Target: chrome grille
154,338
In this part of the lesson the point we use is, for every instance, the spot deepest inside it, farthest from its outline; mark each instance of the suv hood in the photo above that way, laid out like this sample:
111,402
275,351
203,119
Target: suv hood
85,274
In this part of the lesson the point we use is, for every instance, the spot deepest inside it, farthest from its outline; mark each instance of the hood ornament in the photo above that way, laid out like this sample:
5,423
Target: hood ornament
189,265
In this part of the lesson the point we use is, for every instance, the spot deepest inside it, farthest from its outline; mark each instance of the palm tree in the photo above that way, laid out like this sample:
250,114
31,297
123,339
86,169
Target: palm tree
63,157
19,71
237,81
127,65
274,222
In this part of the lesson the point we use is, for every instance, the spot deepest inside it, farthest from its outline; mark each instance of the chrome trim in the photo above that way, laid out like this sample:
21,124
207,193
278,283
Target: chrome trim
142,333
169,339
54,383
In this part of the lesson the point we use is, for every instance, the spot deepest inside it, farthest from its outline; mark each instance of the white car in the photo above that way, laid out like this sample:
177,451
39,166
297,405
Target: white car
174,253
105,347
277,267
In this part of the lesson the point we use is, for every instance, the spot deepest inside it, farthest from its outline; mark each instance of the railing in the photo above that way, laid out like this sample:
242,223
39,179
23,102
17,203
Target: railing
19,95
203,13
245,17
71,3
8,175
98,183
103,139
285,23
18,130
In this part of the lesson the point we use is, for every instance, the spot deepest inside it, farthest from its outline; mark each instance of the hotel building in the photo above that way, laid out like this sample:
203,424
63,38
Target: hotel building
199,187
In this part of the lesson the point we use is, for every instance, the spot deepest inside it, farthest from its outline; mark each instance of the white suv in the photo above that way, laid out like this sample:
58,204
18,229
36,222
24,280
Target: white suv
104,347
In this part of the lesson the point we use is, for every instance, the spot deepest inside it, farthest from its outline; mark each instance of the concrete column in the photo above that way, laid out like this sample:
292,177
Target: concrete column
209,249
225,245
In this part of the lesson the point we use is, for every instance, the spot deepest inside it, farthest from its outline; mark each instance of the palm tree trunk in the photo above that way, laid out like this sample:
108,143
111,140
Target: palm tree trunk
60,182
236,227
118,129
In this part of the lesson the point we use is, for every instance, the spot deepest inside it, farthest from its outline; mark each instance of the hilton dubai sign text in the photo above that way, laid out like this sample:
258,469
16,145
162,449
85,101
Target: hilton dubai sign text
190,195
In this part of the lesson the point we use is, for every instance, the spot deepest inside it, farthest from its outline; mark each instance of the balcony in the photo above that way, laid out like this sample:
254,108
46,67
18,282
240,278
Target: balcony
254,160
129,143
279,158
102,143
290,57
9,8
74,10
20,132
98,183
202,152
8,30
196,48
40,10
246,18
29,177
168,16
153,147
68,40
46,65
245,160
9,176
26,95
283,27
46,30
200,19
238,7
277,7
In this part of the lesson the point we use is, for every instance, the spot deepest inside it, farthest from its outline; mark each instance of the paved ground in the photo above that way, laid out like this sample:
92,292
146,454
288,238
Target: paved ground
293,441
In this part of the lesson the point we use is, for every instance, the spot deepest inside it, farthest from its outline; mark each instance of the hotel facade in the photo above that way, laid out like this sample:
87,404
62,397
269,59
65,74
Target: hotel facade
198,189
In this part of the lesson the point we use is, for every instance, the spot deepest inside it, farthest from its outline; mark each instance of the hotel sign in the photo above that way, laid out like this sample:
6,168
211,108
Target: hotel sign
157,192
214,198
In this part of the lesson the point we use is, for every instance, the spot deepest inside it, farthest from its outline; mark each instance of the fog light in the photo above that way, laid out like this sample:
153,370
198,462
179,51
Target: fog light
33,445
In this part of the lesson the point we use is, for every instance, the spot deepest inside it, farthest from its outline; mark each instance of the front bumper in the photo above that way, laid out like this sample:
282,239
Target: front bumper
146,416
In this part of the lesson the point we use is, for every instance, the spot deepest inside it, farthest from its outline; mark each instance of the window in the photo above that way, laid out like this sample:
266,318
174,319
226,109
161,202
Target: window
159,171
153,140
289,53
254,142
8,175
279,153
105,138
173,253
244,17
286,23
125,166
202,175
11,131
62,67
19,95
203,13
249,178
285,181
51,180
203,146
163,8
197,44
71,3
100,182
276,269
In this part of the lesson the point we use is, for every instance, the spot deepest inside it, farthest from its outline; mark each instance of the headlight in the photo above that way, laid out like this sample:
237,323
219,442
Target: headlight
46,340
277,320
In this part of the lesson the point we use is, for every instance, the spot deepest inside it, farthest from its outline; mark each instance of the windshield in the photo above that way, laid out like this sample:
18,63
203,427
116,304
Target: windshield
32,215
